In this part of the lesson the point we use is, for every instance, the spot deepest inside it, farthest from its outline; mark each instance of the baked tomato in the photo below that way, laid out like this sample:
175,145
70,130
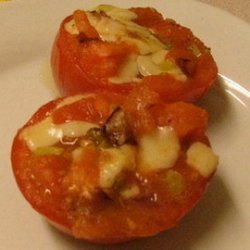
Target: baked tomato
109,170
117,49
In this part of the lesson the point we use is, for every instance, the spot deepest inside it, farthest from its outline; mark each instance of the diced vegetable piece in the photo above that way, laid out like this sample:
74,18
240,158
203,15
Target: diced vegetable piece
97,136
130,192
49,151
158,150
113,161
175,182
117,129
202,158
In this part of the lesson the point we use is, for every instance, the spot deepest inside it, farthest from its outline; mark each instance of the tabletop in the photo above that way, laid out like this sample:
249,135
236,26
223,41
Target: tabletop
239,8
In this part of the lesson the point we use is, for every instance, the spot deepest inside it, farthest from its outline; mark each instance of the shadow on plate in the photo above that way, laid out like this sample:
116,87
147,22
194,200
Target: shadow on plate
216,204
203,219
217,103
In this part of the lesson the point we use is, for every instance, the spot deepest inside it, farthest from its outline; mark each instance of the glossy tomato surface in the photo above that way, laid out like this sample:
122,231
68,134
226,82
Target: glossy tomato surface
68,191
85,62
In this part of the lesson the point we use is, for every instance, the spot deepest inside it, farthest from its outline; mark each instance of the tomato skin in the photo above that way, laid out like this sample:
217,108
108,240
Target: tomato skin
35,186
56,187
77,67
90,109
187,120
145,111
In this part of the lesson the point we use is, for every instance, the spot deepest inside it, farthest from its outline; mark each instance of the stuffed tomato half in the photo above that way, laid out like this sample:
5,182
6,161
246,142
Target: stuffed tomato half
117,49
107,169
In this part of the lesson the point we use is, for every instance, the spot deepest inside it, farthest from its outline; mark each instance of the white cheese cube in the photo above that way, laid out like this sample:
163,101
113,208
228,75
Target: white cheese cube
202,158
158,150
113,161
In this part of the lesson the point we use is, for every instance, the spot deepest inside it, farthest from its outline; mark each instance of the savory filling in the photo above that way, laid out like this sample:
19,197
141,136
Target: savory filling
110,159
117,25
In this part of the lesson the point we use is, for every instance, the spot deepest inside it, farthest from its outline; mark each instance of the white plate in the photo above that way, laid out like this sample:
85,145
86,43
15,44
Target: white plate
221,220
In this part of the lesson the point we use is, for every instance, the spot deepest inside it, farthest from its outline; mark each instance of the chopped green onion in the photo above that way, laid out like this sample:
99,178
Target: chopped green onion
130,192
195,50
50,150
168,65
175,182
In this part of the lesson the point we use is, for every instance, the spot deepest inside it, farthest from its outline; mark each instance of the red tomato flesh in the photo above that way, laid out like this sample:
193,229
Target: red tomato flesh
68,192
83,64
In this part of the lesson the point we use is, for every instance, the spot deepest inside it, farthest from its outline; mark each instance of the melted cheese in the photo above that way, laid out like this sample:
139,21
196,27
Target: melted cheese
158,150
115,12
202,158
157,64
72,99
71,28
117,25
128,71
113,161
45,133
